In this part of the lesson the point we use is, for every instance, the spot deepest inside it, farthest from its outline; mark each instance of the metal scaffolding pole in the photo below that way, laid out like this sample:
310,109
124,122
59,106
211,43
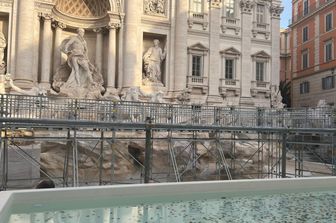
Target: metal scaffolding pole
284,156
148,150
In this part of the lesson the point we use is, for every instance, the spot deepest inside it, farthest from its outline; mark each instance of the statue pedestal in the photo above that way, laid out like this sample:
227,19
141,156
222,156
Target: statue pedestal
153,89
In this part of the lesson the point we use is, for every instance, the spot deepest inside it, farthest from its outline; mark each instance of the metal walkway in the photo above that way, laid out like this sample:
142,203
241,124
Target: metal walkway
274,131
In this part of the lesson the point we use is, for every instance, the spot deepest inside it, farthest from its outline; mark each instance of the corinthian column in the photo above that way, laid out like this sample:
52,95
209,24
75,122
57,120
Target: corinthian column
275,34
58,40
214,59
181,59
46,50
247,74
132,59
111,60
99,49
25,41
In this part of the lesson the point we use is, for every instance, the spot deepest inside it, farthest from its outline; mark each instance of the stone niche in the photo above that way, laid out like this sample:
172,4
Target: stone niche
148,42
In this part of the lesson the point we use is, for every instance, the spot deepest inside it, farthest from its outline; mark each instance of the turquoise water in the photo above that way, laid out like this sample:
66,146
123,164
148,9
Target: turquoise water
314,207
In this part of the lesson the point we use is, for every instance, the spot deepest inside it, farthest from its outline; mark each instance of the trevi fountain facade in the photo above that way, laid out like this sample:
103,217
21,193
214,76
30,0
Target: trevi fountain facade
195,51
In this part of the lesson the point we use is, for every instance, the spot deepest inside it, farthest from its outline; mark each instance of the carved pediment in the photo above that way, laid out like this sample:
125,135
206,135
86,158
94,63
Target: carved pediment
197,47
230,51
261,54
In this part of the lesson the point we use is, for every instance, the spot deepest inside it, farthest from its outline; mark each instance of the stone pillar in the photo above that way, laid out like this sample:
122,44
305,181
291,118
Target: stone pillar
247,75
121,53
99,49
275,27
46,51
58,40
132,59
214,57
111,61
181,59
24,44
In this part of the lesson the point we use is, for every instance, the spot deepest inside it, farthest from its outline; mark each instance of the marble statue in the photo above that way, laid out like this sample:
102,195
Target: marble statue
3,45
276,98
152,62
157,97
132,94
154,7
113,95
6,82
78,77
184,97
322,104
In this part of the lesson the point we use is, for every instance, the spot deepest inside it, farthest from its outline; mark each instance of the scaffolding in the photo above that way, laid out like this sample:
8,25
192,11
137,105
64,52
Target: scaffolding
219,132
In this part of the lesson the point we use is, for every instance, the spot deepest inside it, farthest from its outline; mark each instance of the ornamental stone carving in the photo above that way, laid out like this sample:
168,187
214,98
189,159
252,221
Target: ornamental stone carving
155,7
276,11
84,8
246,6
215,3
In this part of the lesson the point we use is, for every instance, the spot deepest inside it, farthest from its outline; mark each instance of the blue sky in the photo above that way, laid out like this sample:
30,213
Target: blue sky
286,14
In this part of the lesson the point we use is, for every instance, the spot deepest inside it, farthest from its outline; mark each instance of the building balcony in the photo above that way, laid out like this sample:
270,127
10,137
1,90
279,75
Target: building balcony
262,28
198,18
260,87
230,23
198,82
229,85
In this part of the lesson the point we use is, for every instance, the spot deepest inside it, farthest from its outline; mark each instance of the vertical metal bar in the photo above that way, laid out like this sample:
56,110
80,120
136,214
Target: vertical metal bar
101,157
66,161
112,155
75,182
148,149
283,156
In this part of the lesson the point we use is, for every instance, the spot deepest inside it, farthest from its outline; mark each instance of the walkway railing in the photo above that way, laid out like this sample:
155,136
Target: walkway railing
54,108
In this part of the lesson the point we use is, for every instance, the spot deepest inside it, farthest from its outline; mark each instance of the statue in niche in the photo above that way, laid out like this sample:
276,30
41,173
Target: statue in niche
152,62
3,45
154,7
78,77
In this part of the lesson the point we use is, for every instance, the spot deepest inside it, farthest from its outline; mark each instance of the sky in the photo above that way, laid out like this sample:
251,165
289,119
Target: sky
286,14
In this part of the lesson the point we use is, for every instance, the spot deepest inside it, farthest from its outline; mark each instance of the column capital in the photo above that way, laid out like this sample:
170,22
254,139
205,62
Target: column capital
57,24
98,30
246,6
215,3
276,11
45,16
112,25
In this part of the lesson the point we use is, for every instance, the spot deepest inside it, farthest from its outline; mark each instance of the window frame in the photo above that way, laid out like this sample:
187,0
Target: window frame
326,43
303,53
304,87
261,14
328,82
327,29
201,65
232,5
233,69
260,77
305,38
199,3
305,7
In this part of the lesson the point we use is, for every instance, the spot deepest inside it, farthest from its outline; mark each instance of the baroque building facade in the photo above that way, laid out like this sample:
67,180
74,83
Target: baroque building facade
216,52
313,58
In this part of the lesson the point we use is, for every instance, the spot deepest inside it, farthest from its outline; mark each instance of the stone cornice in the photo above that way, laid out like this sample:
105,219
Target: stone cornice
6,3
45,16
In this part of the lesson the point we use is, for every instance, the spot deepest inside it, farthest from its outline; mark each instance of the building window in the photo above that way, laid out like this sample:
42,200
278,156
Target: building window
304,87
328,22
328,83
260,71
260,14
229,69
328,51
305,59
305,7
305,34
196,65
230,8
197,6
